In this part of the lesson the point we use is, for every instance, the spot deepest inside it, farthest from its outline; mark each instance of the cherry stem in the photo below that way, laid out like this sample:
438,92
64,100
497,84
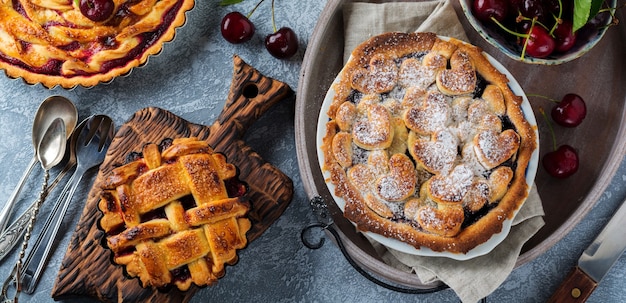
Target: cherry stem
532,24
542,96
508,30
557,18
545,117
525,36
254,9
273,22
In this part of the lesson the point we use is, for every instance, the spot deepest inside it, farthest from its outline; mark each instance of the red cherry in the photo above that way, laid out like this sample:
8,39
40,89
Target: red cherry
236,28
561,163
570,112
540,44
282,44
485,9
564,36
533,9
97,10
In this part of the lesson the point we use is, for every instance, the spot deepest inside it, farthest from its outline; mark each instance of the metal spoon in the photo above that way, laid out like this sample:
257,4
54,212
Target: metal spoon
15,231
50,151
51,108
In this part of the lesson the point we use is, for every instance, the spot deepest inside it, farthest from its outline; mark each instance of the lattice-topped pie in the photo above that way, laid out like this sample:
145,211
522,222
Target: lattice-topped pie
426,142
83,42
175,214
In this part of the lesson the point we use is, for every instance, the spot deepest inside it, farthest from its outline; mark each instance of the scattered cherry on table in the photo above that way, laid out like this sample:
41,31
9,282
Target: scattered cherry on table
570,111
282,44
562,162
236,28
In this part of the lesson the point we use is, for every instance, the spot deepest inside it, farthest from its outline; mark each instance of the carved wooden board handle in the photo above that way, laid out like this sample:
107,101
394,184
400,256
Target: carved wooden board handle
87,270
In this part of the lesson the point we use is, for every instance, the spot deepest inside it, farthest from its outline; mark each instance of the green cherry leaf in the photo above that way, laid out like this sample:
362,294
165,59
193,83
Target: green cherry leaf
585,10
582,8
595,8
229,2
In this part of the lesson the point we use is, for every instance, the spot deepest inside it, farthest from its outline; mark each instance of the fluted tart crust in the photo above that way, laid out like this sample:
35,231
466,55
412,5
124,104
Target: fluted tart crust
53,43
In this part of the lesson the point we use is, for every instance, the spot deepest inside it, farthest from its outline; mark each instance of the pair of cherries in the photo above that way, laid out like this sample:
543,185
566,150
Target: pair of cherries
562,162
237,28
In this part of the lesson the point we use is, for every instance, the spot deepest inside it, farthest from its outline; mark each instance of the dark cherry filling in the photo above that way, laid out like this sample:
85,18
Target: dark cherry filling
132,157
473,217
125,252
188,202
110,201
17,5
506,123
148,39
116,230
165,143
235,187
141,169
70,47
180,274
158,213
417,55
481,84
355,96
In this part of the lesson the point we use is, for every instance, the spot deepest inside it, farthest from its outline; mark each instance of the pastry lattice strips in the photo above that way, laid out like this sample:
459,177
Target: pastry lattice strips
175,215
426,142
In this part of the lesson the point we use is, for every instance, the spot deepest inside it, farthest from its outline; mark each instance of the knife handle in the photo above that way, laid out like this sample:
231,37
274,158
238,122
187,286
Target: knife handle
576,287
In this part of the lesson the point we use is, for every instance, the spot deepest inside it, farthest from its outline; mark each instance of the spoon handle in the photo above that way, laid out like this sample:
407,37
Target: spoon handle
12,234
38,256
5,214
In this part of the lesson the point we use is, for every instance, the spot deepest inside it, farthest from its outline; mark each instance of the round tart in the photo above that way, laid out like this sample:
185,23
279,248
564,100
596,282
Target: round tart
175,214
83,42
426,143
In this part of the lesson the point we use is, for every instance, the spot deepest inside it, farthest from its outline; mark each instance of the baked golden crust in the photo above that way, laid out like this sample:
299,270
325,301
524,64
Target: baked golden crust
448,144
53,43
175,217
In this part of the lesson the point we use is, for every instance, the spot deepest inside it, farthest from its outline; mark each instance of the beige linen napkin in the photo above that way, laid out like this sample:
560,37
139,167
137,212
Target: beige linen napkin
364,20
471,279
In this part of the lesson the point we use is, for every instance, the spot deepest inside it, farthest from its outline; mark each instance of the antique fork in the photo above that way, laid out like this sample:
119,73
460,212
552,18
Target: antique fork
91,146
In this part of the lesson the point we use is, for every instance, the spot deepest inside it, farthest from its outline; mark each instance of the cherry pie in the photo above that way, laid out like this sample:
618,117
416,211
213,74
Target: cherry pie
83,42
426,142
175,214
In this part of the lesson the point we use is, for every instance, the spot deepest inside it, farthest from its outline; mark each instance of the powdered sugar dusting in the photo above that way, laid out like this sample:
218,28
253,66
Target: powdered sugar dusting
452,187
373,128
425,105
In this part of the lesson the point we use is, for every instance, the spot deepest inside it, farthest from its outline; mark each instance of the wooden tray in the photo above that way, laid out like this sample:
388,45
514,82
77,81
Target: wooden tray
598,77
87,270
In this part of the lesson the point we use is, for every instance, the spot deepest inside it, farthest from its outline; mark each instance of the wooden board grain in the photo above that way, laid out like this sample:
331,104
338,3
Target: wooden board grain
87,270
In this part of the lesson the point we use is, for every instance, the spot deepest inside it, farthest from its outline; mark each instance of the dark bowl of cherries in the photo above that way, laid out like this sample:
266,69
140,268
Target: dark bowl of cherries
547,32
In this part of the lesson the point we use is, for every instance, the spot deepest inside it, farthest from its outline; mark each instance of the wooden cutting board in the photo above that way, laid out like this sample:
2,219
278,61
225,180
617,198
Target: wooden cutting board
87,269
